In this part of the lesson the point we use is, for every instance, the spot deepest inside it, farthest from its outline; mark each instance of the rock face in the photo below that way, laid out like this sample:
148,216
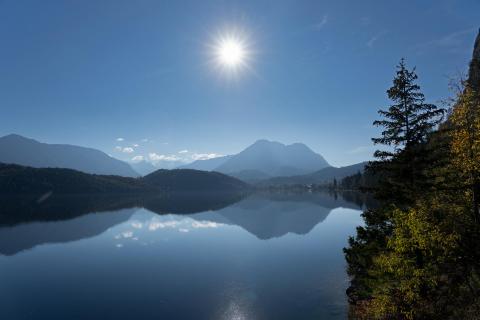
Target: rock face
474,72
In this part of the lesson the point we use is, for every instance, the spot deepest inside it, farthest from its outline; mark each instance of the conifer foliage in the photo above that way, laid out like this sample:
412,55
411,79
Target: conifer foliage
418,255
409,119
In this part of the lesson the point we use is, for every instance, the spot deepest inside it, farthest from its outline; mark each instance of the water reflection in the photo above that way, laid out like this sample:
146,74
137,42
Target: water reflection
26,222
265,256
273,215
14,239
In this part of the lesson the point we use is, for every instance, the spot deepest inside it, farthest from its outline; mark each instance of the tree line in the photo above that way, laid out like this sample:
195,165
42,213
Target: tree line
418,254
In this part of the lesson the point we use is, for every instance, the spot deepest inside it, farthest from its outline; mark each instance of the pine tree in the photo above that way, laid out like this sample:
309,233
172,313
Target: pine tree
409,120
406,126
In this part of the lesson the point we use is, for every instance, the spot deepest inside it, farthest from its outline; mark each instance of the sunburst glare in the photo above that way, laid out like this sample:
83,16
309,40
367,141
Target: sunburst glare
231,52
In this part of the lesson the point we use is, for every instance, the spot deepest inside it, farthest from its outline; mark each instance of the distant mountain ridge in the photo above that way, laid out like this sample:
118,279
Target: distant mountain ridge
206,165
143,167
187,180
323,176
264,159
16,179
16,149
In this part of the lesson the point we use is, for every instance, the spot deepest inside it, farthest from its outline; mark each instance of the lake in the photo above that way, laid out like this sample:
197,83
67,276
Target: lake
263,256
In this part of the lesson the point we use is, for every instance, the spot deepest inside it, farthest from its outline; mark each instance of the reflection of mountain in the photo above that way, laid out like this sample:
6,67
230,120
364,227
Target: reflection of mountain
21,209
323,199
185,203
274,215
70,218
26,222
26,236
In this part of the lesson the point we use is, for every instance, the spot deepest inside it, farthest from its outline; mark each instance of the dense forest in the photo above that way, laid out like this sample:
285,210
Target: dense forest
418,254
16,179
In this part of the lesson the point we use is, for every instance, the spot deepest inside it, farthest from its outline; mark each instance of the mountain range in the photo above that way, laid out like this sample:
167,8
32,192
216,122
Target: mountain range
265,159
269,163
323,176
264,163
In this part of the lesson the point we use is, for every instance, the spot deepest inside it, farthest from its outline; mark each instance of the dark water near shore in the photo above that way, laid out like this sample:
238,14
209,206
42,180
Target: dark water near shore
266,256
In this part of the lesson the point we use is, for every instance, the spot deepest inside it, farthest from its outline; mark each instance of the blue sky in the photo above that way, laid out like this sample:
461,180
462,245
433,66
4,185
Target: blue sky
90,72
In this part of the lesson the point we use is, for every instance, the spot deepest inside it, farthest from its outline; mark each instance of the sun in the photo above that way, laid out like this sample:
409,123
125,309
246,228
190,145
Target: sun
231,52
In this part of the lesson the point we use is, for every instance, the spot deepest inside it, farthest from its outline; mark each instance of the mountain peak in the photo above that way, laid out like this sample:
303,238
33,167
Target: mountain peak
299,146
261,142
274,159
16,149
265,158
14,136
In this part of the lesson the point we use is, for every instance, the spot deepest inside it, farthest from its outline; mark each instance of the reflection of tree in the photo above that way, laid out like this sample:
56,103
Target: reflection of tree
18,209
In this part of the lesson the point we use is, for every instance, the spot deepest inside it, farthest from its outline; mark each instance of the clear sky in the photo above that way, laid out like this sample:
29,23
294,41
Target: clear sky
90,72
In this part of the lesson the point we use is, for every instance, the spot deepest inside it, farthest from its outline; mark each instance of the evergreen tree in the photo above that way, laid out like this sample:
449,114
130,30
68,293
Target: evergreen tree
409,120
420,259
406,126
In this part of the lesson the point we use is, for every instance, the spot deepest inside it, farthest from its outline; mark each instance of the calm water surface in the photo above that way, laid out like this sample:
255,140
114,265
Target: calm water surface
263,257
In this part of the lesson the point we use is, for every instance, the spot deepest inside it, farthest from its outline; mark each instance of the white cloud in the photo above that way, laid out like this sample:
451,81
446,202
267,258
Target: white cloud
118,148
127,150
166,222
321,23
127,234
120,139
135,145
375,38
205,156
161,157
205,224
154,225
145,140
137,224
138,158
183,151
